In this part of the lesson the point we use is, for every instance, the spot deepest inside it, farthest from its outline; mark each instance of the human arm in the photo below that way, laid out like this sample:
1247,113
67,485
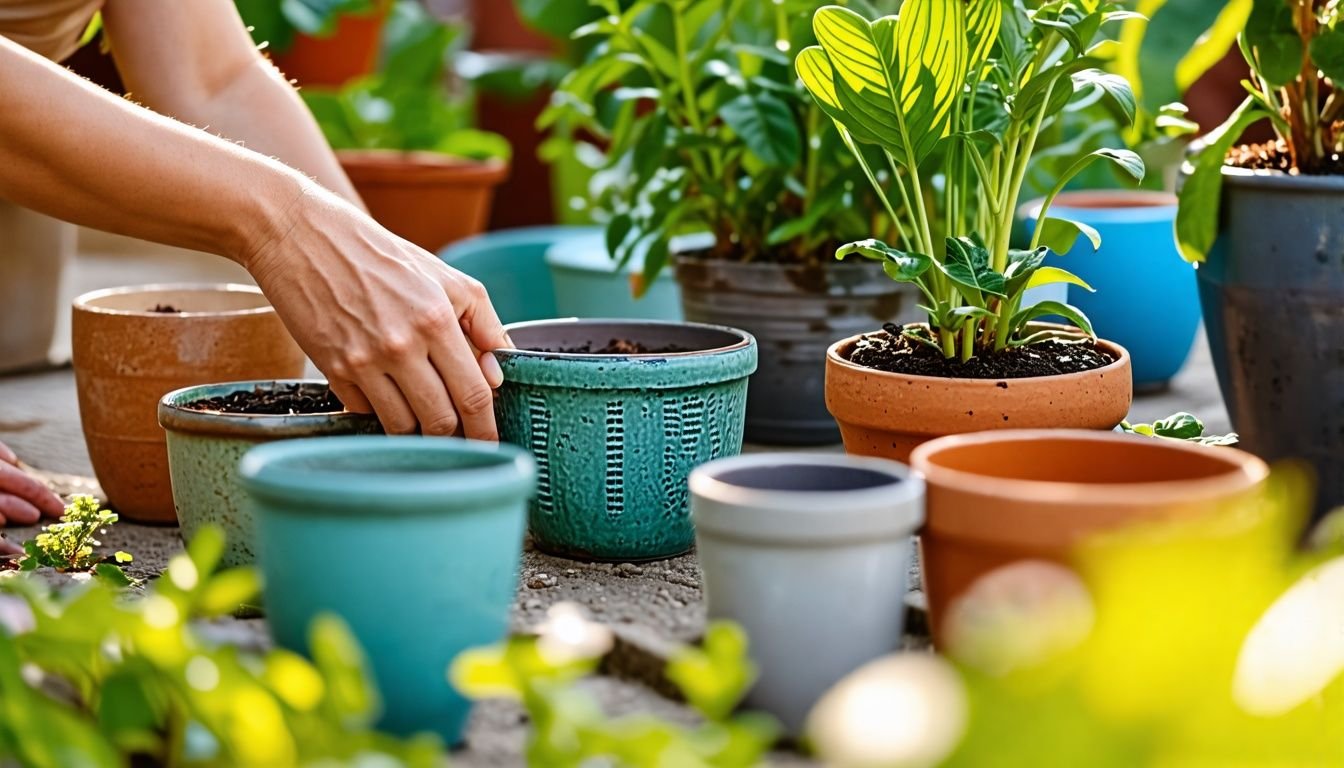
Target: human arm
197,63
387,322
23,499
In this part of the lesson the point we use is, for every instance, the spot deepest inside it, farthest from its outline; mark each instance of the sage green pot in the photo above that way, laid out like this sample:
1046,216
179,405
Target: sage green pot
205,447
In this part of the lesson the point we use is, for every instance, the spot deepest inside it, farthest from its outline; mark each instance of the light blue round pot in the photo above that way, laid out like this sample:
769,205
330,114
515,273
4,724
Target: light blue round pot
1146,299
511,263
589,284
204,448
616,436
437,524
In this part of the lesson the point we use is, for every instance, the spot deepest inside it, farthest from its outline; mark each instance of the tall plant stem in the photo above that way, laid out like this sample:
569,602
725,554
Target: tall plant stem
877,187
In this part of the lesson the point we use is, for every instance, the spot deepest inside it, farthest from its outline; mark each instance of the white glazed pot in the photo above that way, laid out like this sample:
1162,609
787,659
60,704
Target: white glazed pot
809,553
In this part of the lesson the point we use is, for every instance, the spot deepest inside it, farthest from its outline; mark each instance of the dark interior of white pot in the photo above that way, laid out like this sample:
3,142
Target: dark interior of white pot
809,478
598,333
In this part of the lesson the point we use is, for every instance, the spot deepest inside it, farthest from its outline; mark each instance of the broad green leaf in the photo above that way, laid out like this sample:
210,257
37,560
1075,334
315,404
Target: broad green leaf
1048,308
967,264
1327,53
1060,235
863,81
1054,275
983,18
1115,86
766,125
1181,426
931,37
1274,41
904,266
1201,194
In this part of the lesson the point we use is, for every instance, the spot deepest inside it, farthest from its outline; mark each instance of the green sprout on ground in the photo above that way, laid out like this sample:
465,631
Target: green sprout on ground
70,544
1179,426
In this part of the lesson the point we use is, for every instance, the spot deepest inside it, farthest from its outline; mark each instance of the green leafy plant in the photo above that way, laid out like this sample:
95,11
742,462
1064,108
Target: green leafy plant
91,678
1179,426
570,728
274,23
967,86
69,544
405,105
1295,50
703,128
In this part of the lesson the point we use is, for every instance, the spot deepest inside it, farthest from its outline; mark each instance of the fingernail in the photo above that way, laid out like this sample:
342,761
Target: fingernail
494,375
508,342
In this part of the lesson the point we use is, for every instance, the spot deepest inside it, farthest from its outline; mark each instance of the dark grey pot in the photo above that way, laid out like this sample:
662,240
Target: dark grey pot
795,313
1272,292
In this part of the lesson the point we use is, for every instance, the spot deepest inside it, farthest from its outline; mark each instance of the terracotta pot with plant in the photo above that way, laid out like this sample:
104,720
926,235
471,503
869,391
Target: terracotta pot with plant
322,44
406,144
710,132
1262,222
959,92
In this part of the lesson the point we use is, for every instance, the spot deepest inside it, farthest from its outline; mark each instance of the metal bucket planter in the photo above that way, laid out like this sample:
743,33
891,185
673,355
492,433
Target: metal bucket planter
615,436
795,313
1272,291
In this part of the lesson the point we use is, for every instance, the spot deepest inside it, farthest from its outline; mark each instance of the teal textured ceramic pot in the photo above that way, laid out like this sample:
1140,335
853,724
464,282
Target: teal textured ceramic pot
441,520
589,284
616,436
204,448
511,264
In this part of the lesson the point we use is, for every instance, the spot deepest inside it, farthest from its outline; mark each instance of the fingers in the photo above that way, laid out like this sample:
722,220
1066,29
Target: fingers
473,396
389,404
37,498
7,456
475,312
8,547
350,396
429,398
14,510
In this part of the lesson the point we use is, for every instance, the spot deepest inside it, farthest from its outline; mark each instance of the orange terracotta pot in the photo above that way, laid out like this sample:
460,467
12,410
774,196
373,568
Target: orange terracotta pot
888,414
350,51
995,498
127,357
427,198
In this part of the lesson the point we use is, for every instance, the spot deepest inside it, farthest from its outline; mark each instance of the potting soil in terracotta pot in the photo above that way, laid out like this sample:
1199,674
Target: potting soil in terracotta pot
210,427
134,345
617,414
996,498
887,413
428,198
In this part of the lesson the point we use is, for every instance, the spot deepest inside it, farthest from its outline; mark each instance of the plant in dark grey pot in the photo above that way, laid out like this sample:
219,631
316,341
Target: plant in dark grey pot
1271,267
707,130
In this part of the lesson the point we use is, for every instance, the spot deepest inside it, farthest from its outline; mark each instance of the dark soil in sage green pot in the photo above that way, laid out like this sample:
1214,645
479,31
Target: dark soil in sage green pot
617,414
209,429
795,311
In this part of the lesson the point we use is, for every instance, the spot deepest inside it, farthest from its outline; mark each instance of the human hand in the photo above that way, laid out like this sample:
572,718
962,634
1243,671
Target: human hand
23,498
395,330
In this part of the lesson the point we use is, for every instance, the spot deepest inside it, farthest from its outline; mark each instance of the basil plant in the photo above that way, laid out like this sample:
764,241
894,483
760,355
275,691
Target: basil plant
959,91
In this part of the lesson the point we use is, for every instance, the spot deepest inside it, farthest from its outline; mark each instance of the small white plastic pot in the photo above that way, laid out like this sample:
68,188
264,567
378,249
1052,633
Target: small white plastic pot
809,553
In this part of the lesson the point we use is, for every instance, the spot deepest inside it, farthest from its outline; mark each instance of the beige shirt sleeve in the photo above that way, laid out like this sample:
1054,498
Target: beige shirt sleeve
49,28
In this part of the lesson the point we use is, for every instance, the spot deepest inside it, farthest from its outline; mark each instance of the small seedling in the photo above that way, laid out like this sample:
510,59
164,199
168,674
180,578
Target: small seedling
69,545
1179,426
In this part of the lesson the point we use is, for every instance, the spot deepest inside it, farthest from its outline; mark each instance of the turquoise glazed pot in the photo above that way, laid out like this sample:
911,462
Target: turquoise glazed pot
1138,253
441,522
511,263
616,436
204,448
588,284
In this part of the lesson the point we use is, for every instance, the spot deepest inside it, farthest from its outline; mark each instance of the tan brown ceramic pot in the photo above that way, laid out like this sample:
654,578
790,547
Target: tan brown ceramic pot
427,198
995,498
127,356
888,414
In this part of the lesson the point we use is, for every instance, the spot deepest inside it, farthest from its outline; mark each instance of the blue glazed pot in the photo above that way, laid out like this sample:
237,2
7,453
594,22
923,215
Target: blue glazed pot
511,263
458,505
1146,299
616,436
588,284
204,448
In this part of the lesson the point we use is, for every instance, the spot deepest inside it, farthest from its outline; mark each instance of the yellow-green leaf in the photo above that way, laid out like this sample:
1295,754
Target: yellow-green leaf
930,36
1054,275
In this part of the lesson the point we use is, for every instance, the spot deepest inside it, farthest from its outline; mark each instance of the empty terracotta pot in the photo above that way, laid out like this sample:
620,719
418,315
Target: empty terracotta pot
428,198
888,414
999,497
128,355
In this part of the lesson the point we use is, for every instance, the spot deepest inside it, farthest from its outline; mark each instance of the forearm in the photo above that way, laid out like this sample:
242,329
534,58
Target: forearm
76,152
259,109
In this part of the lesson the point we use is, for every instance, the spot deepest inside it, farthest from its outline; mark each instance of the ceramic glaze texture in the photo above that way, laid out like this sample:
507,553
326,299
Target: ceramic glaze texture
615,437
998,498
460,503
810,555
795,312
889,414
1273,300
127,357
205,448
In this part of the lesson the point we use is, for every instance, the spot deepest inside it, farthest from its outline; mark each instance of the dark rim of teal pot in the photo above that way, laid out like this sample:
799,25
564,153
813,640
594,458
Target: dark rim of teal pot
258,426
1243,177
383,476
716,354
